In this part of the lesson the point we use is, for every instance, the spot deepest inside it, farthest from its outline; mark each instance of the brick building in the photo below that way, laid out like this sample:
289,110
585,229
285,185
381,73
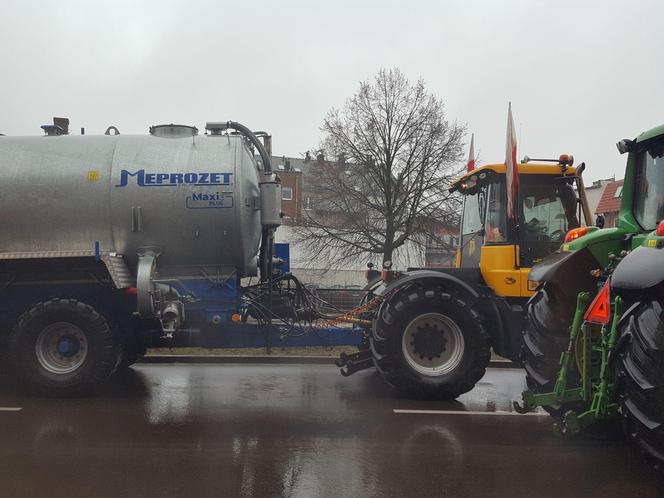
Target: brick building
595,191
609,204
289,170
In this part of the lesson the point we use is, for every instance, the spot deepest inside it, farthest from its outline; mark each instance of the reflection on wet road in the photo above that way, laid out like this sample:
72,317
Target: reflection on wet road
302,431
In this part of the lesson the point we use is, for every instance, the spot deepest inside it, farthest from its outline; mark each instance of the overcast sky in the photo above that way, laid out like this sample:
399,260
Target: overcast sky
580,74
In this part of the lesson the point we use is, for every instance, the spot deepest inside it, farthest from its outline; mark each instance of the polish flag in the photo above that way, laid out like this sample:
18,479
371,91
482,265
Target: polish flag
471,155
512,168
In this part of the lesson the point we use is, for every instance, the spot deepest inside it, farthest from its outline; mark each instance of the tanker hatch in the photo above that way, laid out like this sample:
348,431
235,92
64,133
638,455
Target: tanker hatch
173,131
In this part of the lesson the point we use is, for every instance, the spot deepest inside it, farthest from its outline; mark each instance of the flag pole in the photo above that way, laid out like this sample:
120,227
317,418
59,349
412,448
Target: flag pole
470,166
512,181
517,247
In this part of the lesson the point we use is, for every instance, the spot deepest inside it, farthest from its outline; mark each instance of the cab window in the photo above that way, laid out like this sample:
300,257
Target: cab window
473,212
649,198
496,214
548,212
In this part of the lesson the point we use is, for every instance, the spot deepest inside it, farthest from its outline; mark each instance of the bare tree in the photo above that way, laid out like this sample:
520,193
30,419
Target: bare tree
391,156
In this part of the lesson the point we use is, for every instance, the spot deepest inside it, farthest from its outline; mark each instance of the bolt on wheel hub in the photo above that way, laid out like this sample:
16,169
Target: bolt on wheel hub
61,348
429,341
432,344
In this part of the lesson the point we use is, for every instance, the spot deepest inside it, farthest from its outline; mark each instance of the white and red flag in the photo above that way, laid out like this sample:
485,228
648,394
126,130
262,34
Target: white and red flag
471,155
512,168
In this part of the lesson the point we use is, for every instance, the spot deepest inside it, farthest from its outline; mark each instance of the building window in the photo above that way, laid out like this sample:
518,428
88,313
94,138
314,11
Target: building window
287,194
308,204
618,192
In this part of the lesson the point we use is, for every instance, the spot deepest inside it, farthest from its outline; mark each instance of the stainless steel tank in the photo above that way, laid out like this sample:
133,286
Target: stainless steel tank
196,198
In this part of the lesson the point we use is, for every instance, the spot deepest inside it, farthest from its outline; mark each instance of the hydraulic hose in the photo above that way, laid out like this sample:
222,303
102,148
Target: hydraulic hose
267,236
250,135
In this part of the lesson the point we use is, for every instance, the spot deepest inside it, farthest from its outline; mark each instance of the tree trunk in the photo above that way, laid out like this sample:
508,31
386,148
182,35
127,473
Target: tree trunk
387,252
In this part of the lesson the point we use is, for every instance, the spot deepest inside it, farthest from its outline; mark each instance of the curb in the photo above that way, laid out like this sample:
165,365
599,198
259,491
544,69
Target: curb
268,359
263,359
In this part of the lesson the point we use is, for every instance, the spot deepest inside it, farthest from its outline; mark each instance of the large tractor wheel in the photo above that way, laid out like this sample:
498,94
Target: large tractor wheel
63,347
430,343
642,377
549,316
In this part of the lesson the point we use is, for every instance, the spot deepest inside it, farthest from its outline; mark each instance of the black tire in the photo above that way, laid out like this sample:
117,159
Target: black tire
99,354
641,369
387,343
549,316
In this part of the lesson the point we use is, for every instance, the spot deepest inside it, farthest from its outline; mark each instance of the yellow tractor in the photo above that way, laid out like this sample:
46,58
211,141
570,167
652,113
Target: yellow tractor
435,328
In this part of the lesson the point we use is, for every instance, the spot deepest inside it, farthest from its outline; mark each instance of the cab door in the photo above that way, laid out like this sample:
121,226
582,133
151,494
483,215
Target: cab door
472,228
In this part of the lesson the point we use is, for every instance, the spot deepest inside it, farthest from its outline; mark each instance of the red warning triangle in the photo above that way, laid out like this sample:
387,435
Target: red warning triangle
599,310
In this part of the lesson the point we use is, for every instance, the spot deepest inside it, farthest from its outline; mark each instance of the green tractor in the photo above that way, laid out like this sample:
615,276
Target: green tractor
593,348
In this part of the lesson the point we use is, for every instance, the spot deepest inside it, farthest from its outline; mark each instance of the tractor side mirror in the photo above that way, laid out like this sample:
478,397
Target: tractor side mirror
626,145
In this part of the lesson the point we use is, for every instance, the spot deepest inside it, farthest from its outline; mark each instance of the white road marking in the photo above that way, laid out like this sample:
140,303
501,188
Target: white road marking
10,408
453,412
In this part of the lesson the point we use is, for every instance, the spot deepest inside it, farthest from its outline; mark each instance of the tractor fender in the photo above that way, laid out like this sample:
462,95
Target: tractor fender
465,282
641,269
428,276
567,270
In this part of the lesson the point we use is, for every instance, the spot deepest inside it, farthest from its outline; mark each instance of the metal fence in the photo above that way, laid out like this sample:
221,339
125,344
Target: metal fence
339,299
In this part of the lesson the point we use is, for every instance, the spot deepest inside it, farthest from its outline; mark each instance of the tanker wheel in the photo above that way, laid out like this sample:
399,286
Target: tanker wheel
63,347
429,343
641,369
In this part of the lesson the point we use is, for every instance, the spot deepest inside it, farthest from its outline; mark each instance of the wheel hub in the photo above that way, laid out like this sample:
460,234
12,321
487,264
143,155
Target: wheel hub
68,346
432,344
61,348
429,341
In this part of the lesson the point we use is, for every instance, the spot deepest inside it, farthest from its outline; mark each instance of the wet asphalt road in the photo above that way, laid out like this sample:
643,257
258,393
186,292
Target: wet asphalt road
296,430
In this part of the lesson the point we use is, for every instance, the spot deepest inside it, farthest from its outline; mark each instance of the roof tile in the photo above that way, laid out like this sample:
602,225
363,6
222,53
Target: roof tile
609,203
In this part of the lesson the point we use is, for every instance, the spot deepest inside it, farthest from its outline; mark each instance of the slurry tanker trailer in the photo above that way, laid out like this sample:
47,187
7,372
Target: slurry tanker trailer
108,241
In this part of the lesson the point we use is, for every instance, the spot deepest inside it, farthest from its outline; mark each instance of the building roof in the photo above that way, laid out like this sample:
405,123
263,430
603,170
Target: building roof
283,163
600,183
610,201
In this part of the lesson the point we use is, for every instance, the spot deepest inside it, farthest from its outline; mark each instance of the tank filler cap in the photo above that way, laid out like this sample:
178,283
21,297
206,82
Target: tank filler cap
173,131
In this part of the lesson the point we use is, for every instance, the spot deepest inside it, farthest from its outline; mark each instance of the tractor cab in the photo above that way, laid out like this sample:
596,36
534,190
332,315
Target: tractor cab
643,205
504,250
